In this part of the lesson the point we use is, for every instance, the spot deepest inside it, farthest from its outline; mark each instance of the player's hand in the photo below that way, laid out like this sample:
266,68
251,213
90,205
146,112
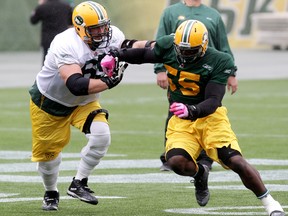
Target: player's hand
232,84
162,80
114,78
112,81
179,109
108,64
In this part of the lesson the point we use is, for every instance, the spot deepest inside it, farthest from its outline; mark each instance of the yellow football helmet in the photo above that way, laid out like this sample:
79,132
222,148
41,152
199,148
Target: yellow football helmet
92,24
190,40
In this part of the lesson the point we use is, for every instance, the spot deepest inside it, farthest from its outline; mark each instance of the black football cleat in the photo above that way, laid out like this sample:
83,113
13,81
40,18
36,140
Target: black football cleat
50,201
201,187
77,190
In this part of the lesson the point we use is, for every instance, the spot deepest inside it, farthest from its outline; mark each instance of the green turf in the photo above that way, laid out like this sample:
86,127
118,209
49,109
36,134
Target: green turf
258,113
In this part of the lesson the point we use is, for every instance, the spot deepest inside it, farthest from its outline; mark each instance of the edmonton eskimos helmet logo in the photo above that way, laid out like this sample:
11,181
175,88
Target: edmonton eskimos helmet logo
78,20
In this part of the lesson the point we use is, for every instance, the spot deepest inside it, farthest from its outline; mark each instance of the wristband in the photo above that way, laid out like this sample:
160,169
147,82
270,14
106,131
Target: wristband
128,43
233,72
148,43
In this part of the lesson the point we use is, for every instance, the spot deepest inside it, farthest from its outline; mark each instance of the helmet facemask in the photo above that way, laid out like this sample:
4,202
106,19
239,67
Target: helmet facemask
188,54
98,36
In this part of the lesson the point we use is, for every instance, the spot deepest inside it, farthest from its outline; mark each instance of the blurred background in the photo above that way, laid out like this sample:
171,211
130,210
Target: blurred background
257,32
245,23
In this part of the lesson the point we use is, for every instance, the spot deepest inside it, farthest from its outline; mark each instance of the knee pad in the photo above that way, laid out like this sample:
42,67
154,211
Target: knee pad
89,120
225,153
50,167
98,143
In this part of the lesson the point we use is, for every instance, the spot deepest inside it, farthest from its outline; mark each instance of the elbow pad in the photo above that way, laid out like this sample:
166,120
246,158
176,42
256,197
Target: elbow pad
128,43
77,84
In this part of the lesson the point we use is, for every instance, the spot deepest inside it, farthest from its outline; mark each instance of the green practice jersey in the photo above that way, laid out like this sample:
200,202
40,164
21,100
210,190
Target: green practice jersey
175,14
187,82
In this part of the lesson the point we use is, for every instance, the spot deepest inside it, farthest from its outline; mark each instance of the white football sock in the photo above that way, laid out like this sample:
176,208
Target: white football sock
270,204
98,142
49,171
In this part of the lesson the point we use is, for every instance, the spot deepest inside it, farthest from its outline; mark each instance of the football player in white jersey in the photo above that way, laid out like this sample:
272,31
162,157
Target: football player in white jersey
66,92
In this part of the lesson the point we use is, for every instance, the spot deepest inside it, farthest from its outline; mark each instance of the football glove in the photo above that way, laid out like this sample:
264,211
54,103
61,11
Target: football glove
113,70
184,111
111,81
108,64
111,66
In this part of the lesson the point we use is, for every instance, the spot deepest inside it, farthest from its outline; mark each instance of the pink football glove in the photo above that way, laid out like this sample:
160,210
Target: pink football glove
179,109
108,65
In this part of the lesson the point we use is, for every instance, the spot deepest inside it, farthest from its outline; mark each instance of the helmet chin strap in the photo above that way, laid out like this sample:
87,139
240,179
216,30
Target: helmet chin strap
94,45
183,61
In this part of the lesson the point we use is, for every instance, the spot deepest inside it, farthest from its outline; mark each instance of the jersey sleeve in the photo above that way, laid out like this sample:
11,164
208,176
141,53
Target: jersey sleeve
222,43
164,28
117,38
162,45
36,15
62,51
222,69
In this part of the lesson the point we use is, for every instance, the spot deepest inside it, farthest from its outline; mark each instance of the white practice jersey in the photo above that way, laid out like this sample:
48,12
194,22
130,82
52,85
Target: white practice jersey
68,48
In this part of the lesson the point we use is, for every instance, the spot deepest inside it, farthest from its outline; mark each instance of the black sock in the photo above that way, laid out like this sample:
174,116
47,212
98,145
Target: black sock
200,171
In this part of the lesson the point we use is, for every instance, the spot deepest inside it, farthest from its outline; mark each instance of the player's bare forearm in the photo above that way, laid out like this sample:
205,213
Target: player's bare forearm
143,44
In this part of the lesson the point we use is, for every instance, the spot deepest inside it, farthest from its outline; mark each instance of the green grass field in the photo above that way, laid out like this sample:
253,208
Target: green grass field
128,181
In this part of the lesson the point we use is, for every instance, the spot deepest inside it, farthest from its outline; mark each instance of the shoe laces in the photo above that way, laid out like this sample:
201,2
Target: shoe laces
200,183
51,201
51,197
85,185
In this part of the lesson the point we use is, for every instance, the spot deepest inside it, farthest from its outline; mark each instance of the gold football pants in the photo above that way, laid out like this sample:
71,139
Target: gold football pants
208,133
50,134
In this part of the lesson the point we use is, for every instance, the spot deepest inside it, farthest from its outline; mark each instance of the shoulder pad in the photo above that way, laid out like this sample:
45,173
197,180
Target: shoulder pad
166,41
117,37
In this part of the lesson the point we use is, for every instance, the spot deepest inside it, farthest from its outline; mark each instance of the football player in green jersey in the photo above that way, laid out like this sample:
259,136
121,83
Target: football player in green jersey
197,79
171,18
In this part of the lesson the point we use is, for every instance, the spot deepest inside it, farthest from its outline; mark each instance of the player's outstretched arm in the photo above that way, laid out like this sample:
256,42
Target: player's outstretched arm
128,43
132,56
